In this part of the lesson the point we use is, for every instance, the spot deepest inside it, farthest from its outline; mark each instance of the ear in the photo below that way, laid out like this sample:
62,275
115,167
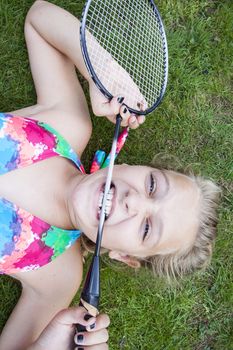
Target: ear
127,259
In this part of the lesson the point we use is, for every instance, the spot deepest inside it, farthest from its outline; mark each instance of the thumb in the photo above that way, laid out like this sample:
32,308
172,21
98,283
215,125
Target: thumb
111,107
73,315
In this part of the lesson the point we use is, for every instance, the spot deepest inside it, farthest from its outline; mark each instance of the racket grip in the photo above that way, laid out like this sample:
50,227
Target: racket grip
91,291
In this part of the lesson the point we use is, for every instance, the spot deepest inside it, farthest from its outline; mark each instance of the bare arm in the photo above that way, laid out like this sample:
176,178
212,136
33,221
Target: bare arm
60,29
45,292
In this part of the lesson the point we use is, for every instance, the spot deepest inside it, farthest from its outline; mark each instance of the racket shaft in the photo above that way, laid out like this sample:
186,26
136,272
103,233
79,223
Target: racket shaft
91,291
108,184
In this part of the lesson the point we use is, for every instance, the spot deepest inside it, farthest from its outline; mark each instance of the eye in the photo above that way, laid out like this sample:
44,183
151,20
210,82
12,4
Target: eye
152,185
146,230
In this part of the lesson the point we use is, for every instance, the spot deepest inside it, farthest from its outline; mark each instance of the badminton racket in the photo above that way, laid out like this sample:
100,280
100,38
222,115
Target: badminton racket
124,47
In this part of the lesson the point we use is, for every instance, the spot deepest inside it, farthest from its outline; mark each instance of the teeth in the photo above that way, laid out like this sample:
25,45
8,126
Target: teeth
109,196
101,199
108,206
107,210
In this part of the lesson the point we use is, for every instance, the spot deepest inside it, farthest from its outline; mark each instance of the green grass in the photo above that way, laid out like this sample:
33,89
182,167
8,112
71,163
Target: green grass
194,123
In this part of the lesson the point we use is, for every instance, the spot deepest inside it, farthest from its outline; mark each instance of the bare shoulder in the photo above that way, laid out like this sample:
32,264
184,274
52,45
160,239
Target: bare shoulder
73,124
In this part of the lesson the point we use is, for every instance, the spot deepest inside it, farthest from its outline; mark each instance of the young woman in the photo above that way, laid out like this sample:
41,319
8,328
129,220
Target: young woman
162,217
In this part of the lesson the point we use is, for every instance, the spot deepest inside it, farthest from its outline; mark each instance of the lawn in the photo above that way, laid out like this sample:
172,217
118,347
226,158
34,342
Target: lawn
194,123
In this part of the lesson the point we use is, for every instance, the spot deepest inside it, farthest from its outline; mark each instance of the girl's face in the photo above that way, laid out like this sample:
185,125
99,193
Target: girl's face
151,212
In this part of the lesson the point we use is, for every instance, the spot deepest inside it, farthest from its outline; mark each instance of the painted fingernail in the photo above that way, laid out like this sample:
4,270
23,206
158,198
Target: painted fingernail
92,326
120,99
87,317
80,338
125,110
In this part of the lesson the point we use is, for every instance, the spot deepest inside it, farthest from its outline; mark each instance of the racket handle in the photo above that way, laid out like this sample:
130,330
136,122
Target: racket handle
91,291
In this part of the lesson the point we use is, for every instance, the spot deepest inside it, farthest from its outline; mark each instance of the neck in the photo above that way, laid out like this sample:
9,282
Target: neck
73,181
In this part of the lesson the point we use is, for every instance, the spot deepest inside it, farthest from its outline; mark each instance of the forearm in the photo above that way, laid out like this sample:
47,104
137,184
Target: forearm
60,29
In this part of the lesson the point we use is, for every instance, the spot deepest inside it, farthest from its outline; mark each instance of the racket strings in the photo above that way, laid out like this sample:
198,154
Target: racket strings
133,61
127,49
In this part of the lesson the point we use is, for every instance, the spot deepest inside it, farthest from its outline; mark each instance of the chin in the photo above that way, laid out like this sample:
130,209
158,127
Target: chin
81,219
90,234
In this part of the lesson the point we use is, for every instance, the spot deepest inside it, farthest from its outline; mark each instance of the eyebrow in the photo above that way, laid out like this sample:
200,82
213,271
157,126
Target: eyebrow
161,225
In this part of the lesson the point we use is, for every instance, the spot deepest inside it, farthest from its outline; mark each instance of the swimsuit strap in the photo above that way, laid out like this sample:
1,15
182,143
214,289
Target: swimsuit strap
24,141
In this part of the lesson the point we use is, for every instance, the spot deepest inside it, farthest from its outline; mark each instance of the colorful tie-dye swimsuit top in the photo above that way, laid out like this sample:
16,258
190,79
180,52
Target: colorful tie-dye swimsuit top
26,241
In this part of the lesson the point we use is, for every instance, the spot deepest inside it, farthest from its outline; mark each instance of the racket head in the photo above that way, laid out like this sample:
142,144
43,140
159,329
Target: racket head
136,52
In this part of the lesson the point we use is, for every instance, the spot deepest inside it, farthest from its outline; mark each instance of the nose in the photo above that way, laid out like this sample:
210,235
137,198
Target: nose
138,203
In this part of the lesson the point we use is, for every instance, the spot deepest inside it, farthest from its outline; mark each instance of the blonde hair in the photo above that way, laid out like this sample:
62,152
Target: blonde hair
199,254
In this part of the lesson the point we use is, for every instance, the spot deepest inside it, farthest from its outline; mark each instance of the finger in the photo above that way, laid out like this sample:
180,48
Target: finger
112,107
125,115
72,315
142,105
133,122
141,119
92,338
115,104
102,321
103,346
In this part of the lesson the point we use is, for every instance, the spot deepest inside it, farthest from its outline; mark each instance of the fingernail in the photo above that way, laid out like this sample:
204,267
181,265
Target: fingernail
120,99
80,338
125,110
87,317
92,326
80,348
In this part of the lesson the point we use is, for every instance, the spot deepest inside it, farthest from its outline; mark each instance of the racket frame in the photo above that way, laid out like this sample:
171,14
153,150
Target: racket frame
94,76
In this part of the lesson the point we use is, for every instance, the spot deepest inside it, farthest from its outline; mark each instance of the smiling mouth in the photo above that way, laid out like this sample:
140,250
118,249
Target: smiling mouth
109,203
